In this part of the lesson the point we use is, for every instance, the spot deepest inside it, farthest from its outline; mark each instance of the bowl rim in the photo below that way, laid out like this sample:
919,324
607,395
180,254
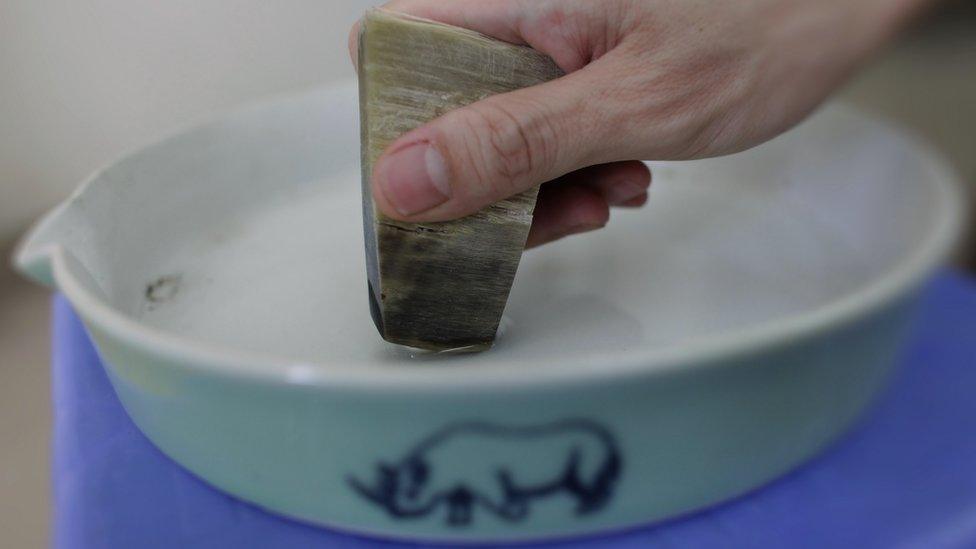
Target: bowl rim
692,354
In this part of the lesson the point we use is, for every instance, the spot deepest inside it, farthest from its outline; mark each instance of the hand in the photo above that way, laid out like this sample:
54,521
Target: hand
646,79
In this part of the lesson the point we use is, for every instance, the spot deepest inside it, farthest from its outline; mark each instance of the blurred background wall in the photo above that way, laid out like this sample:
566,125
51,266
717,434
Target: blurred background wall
82,81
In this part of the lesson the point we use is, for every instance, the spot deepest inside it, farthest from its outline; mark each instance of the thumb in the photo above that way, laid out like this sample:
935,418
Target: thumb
492,149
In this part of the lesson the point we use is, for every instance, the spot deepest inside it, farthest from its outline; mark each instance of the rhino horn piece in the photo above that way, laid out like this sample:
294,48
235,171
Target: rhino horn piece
438,286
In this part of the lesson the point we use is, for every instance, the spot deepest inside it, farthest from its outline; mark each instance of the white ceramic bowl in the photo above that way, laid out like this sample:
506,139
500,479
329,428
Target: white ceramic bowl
689,352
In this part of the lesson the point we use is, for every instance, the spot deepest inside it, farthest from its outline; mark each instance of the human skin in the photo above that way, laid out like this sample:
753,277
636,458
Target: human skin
646,79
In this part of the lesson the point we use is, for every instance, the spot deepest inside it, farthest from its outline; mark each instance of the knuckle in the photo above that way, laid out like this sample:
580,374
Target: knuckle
516,144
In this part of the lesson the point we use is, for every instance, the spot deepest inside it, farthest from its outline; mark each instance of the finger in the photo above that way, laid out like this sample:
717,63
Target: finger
563,210
555,28
635,202
495,148
545,26
565,207
353,44
618,182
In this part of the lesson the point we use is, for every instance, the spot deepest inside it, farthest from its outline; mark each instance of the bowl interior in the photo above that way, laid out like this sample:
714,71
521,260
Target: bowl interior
246,234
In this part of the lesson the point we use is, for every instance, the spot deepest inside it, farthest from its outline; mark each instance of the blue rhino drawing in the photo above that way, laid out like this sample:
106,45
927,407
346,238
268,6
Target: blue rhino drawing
500,469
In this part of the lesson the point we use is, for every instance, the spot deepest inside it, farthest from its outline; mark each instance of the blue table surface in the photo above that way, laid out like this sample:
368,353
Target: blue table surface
904,477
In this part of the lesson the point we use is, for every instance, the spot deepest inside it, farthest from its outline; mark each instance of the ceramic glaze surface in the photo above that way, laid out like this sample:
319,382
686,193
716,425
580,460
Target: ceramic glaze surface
687,353
714,252
264,255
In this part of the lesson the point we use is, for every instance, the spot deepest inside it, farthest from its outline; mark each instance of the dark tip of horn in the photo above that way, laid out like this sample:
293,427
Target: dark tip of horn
374,309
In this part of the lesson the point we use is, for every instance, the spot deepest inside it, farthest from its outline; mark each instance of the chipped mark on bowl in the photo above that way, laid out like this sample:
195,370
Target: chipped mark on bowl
163,289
